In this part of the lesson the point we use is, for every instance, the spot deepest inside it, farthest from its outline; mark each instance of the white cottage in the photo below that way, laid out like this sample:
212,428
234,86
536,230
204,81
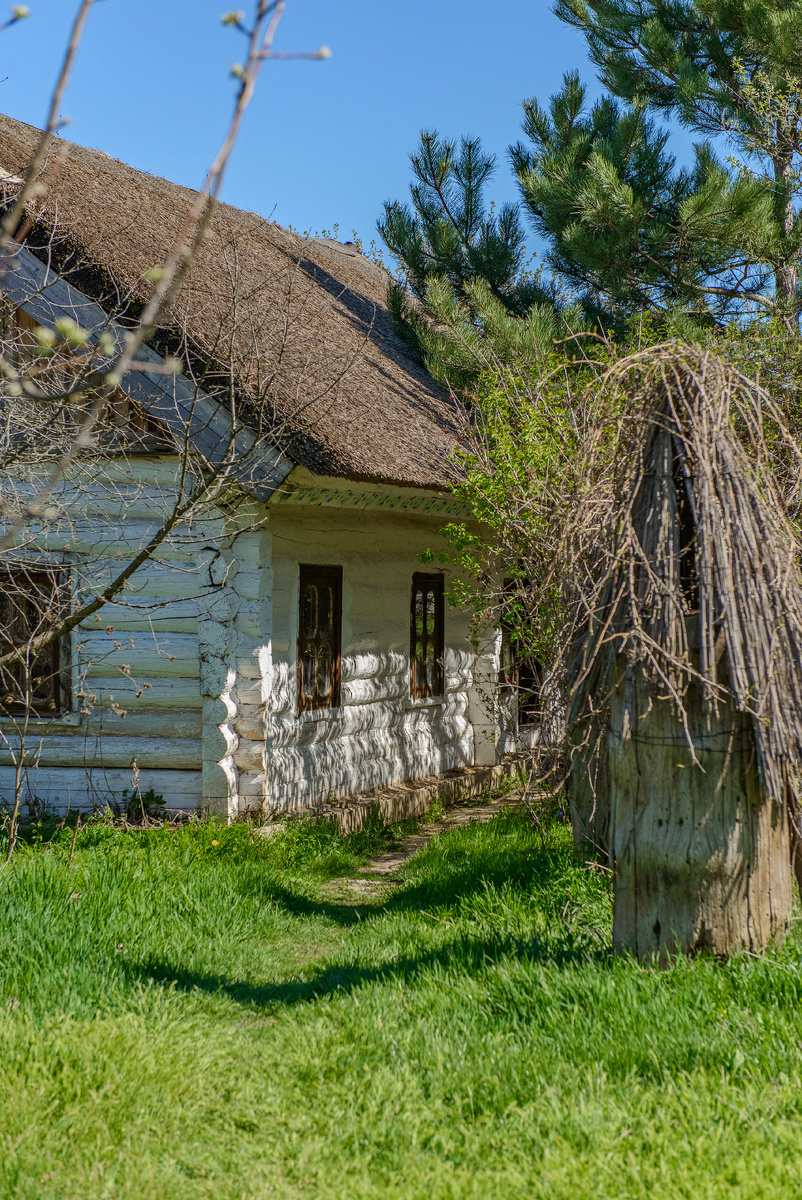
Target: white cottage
289,646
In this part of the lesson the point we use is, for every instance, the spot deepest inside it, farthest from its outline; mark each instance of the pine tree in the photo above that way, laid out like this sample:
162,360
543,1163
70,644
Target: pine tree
722,67
451,233
466,266
627,230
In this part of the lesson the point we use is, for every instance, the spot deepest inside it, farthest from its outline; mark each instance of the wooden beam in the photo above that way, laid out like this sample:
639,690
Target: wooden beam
185,409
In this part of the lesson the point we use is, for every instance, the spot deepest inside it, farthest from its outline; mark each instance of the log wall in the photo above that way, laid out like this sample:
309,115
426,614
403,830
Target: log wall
139,655
200,653
378,735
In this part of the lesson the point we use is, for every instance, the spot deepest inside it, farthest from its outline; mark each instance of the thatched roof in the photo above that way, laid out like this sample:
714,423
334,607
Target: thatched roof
302,321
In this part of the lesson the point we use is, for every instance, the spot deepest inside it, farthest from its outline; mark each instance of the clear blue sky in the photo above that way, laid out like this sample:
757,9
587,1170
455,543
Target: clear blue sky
324,142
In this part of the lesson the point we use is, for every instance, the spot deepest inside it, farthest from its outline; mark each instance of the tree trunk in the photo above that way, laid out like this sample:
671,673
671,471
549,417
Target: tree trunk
701,855
785,275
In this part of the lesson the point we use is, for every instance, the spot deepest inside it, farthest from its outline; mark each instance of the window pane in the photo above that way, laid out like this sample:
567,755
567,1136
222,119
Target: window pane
430,626
418,601
427,635
430,674
319,634
30,603
13,621
309,671
10,693
326,611
310,611
324,671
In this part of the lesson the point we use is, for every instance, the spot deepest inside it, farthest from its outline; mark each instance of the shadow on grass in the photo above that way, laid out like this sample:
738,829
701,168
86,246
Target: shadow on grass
462,875
464,951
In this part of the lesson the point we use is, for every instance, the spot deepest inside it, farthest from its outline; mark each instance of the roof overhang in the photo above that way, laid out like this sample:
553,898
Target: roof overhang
187,411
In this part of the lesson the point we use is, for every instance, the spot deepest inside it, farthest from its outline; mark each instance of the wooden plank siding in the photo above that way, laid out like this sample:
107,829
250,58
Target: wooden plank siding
141,657
79,787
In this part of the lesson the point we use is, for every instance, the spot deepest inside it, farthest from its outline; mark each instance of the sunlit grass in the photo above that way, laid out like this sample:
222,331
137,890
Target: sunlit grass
194,1014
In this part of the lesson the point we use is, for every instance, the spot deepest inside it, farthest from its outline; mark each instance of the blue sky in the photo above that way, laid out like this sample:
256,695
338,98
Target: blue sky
324,142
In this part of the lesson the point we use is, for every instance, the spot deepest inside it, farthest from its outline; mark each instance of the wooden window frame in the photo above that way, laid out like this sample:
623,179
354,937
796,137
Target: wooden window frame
521,678
312,574
56,700
125,425
421,689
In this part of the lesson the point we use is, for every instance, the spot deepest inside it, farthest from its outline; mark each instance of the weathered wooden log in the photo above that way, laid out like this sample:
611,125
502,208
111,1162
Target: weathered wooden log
700,851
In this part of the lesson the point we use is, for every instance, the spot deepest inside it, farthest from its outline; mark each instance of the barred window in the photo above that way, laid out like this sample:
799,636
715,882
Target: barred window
427,636
319,633
32,601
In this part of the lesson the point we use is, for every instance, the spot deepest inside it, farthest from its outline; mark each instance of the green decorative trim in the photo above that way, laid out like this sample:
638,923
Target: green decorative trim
387,501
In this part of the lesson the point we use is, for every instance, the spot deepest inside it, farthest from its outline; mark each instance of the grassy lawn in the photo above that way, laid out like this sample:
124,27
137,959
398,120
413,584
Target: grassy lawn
202,1014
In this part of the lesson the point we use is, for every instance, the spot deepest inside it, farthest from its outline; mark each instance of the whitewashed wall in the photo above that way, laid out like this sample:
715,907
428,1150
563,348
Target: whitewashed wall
209,634
87,758
378,735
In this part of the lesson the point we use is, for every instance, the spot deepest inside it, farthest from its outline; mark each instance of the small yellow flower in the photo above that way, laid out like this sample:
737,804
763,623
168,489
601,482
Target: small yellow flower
215,842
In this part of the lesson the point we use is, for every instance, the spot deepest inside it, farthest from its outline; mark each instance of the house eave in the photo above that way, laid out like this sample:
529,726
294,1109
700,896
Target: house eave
187,411
303,488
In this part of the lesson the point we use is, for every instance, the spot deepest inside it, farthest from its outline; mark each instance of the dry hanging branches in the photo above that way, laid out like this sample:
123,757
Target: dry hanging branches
700,583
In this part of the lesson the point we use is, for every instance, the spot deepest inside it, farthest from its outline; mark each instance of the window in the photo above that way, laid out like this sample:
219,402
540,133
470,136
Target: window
32,600
427,639
123,425
17,331
319,625
521,678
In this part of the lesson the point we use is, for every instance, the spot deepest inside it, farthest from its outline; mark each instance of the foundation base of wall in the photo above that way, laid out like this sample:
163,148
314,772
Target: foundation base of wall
402,800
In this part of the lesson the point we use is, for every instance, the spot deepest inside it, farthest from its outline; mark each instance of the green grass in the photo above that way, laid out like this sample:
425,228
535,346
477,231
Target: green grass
200,1014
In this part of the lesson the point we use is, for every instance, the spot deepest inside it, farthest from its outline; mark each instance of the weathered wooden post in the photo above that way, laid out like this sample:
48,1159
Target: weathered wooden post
699,666
700,851
589,791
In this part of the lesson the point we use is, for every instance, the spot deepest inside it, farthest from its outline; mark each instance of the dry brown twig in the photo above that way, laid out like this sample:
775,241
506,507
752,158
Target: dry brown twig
58,422
701,583
663,544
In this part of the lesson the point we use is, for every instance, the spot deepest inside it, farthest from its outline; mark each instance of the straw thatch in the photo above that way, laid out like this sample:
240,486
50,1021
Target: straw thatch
702,588
301,324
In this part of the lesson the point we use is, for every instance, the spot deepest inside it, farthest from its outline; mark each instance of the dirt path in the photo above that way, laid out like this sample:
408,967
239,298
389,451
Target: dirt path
382,873
389,864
